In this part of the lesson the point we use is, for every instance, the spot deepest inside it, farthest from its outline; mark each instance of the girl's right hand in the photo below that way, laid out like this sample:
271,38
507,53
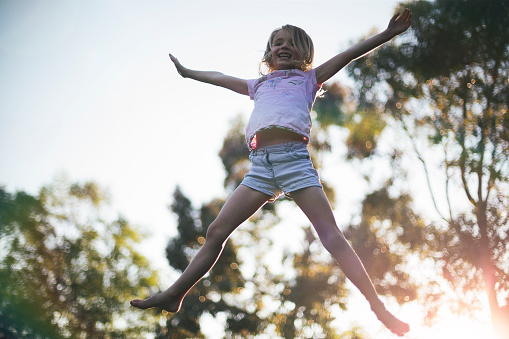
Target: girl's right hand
181,69
212,77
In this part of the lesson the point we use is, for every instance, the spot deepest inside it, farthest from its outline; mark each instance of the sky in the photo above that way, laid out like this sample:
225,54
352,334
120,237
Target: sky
87,90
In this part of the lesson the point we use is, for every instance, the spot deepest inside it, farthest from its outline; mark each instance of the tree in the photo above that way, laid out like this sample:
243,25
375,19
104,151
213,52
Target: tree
308,314
66,271
212,294
444,85
262,301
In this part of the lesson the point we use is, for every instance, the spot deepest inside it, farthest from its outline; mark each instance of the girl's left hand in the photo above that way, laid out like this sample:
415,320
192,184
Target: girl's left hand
400,22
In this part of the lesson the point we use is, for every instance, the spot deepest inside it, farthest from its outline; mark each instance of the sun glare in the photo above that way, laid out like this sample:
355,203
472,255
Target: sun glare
455,328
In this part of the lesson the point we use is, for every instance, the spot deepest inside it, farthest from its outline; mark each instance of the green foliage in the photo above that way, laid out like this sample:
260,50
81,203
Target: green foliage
364,130
329,106
264,303
224,281
66,271
445,83
334,108
307,299
383,219
300,313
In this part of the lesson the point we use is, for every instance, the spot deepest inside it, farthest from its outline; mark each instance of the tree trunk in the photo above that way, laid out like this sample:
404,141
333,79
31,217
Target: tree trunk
499,317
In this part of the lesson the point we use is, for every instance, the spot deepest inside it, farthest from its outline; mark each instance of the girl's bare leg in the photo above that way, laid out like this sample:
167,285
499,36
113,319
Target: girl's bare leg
243,203
315,205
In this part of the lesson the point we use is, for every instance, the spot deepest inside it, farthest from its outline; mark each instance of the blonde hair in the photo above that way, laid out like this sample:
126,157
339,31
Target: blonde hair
302,42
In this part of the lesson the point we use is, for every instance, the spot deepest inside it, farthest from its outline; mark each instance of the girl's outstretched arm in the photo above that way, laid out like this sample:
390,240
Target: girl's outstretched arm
214,78
398,24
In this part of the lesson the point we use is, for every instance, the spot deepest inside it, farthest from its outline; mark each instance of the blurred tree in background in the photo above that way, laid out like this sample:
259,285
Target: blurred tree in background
444,85
65,270
255,299
438,94
221,286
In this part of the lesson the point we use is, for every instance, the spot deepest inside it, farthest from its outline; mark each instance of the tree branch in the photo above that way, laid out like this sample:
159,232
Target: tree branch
463,156
447,183
425,166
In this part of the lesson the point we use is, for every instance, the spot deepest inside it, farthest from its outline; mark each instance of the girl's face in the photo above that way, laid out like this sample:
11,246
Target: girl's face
284,55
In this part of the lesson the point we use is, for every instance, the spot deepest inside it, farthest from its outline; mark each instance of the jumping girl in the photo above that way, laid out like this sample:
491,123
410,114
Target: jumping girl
277,135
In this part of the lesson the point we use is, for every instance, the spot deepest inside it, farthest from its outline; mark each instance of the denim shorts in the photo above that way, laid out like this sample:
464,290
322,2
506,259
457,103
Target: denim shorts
281,169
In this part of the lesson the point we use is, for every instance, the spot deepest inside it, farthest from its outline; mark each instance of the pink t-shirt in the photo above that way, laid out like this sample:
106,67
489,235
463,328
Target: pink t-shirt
282,99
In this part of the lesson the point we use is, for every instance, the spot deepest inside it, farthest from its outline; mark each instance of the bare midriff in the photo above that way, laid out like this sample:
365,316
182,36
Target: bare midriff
274,136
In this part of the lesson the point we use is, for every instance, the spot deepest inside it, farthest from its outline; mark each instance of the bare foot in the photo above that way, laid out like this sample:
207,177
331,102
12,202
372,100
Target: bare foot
161,300
395,325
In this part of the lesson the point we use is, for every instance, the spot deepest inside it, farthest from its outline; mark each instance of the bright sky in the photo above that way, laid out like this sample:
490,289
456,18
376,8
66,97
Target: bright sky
87,88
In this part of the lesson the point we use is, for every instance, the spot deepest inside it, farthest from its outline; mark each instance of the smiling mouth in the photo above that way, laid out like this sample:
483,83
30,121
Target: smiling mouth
284,56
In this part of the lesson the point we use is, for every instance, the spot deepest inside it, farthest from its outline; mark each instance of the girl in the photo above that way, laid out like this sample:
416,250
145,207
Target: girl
277,134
